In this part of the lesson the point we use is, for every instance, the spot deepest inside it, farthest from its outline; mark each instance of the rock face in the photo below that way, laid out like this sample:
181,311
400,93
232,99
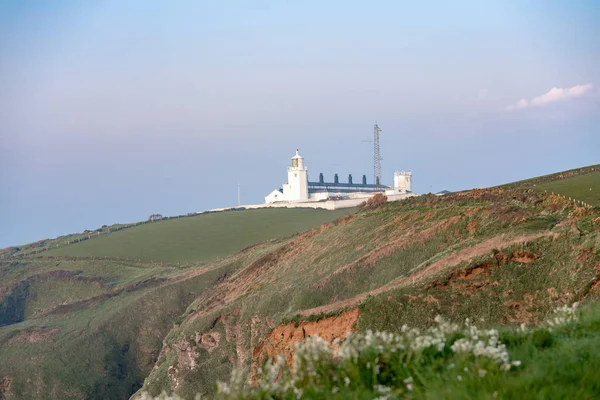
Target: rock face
282,339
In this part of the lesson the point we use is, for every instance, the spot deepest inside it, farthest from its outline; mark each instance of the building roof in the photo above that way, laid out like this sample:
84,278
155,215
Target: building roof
315,187
297,155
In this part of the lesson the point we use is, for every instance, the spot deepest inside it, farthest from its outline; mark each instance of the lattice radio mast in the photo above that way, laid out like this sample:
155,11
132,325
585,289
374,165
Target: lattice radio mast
376,156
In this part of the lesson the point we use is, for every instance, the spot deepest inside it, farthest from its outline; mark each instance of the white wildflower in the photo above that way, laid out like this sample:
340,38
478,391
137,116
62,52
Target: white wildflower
563,315
381,389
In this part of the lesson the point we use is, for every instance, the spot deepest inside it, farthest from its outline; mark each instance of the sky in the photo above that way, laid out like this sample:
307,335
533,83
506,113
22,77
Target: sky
114,110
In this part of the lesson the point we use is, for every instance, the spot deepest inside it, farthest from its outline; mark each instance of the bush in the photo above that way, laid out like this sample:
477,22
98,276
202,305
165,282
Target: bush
374,201
542,338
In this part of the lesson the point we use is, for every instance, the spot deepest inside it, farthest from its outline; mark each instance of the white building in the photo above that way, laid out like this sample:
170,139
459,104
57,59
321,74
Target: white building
299,189
402,182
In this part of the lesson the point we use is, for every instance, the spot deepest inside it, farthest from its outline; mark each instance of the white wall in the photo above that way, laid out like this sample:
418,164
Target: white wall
327,205
298,184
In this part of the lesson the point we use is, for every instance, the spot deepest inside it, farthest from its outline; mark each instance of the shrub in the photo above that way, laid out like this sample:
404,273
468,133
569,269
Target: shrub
374,201
542,338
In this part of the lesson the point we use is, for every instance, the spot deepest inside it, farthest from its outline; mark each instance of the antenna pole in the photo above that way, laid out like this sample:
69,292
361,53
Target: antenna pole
376,155
239,201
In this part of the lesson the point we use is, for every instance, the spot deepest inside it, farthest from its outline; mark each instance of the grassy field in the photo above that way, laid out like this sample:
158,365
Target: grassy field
201,238
580,184
582,187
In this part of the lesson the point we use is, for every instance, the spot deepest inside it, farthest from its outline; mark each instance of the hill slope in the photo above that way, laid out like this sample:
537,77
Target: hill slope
92,327
582,184
507,257
585,188
200,238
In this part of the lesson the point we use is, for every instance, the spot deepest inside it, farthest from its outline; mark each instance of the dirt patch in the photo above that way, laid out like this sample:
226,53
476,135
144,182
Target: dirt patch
585,255
5,384
209,340
472,227
523,256
592,288
521,311
431,300
186,355
466,281
552,293
282,339
595,284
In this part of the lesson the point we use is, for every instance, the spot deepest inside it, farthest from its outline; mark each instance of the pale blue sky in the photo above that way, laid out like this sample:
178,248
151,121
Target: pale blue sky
113,110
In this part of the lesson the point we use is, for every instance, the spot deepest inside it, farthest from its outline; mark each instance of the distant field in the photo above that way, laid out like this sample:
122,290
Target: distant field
200,238
582,187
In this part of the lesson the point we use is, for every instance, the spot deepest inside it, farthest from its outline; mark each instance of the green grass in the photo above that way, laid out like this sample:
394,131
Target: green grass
585,188
201,238
581,184
528,183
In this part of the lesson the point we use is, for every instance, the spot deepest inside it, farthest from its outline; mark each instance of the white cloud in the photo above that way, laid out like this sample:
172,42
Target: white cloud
553,95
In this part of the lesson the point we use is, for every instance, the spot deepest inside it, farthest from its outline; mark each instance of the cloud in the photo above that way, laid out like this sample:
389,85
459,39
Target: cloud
552,96
482,94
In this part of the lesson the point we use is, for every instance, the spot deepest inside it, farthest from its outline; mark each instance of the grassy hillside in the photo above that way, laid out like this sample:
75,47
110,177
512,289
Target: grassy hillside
92,327
505,257
200,238
582,184
585,187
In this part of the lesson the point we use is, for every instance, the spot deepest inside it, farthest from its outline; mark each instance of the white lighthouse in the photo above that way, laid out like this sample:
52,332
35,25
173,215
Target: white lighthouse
296,188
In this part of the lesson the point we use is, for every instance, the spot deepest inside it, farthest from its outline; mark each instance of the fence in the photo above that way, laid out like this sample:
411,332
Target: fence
575,201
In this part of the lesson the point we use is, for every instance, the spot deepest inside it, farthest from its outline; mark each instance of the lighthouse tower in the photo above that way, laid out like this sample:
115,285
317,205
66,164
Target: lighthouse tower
296,188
